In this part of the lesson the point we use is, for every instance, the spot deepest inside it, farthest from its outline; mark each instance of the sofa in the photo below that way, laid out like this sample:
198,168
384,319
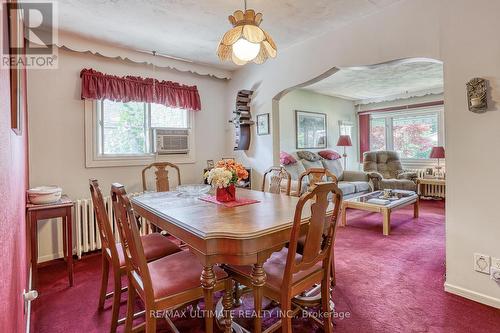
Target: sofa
385,171
352,183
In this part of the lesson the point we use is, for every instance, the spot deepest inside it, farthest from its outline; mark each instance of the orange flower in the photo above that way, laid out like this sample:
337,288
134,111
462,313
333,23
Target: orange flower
236,168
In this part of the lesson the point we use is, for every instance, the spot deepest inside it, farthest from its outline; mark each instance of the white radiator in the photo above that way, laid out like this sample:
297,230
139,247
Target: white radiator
438,191
87,232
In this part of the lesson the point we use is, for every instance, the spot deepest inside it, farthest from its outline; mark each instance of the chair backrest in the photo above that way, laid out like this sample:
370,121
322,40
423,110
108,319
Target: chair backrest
318,245
135,258
161,174
385,162
315,175
103,223
276,175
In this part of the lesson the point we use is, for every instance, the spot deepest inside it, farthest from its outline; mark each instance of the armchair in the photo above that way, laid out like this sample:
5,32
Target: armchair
386,172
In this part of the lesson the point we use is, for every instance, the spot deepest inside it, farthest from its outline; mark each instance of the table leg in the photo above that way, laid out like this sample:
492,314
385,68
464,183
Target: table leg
416,208
69,241
32,219
344,215
258,281
227,303
387,221
208,281
65,238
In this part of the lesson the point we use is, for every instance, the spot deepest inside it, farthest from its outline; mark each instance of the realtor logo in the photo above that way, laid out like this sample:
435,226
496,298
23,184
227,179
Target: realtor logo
31,35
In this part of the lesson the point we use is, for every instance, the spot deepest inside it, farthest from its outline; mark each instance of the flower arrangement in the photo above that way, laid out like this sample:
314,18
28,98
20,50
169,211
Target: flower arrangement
224,176
226,173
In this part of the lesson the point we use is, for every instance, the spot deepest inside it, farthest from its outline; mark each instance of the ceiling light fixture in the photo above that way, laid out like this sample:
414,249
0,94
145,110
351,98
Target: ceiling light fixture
246,41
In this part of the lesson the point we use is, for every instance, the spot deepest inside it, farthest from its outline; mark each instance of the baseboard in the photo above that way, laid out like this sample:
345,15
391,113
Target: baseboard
52,256
472,295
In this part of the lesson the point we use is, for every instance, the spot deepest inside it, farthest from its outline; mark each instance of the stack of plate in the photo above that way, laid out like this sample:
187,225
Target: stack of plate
44,195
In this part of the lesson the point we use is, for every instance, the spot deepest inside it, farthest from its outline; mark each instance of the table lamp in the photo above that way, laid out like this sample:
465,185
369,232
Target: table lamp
344,141
438,152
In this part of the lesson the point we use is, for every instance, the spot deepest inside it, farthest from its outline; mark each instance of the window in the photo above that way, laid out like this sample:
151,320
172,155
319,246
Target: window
411,133
345,127
125,128
120,134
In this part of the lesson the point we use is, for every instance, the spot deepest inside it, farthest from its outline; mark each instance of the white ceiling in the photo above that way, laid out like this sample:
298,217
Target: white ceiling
191,29
383,82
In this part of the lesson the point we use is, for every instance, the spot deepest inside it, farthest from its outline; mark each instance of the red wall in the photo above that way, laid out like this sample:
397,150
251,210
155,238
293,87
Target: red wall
13,183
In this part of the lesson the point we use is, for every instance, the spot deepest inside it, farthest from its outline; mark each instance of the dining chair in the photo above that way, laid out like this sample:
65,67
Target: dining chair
288,273
164,284
161,176
155,246
276,176
315,175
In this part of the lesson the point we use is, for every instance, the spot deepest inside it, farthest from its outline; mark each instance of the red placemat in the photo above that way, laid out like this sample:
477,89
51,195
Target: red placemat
236,203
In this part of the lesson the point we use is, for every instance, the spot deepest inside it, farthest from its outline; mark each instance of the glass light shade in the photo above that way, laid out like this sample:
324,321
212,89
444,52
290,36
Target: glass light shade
246,50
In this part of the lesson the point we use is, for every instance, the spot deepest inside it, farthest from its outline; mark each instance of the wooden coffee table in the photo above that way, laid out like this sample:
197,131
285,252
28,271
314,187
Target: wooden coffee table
362,203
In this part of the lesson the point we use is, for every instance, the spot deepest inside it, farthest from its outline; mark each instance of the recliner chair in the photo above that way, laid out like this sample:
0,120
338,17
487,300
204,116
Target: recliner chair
385,171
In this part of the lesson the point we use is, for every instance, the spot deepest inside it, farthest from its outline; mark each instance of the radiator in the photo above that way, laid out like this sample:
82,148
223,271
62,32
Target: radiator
438,191
87,232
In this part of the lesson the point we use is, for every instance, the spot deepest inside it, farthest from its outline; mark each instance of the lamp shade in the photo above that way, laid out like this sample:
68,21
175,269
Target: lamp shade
344,141
437,152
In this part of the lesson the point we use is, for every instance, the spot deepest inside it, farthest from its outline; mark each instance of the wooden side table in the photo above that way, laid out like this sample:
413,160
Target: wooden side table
63,209
429,181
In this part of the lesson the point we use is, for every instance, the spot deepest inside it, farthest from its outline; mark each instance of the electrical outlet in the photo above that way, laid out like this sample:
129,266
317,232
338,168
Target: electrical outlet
482,263
495,262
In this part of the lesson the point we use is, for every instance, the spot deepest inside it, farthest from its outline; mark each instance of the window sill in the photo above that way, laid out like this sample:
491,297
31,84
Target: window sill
140,160
409,163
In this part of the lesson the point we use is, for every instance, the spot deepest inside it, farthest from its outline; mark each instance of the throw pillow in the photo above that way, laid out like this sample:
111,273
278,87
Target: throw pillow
308,155
286,158
329,154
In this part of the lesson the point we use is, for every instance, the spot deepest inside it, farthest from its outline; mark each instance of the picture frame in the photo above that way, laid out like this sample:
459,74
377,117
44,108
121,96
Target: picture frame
310,130
210,164
16,47
263,124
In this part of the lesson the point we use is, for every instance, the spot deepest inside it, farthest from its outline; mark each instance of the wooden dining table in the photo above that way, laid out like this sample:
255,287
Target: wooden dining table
244,235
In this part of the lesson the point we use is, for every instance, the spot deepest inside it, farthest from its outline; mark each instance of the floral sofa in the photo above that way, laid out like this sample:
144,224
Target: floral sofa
352,183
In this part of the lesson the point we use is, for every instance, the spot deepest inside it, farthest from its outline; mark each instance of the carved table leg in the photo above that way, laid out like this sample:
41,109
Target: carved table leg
227,302
208,281
237,294
258,281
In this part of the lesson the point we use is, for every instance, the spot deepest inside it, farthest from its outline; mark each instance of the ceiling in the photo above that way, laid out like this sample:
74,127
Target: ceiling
191,29
385,82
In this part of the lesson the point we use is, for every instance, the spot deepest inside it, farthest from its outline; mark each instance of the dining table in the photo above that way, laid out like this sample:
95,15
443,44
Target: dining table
217,234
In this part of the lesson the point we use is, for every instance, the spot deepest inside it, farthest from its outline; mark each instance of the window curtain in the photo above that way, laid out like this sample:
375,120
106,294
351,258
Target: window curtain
364,134
97,85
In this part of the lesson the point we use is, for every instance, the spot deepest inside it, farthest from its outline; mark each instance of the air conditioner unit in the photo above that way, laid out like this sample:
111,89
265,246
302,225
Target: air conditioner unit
171,140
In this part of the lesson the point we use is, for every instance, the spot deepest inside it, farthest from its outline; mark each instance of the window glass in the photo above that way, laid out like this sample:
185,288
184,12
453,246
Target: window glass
377,134
163,116
123,128
414,136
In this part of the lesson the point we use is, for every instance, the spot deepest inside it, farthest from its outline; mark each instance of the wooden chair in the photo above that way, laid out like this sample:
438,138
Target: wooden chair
289,273
276,176
315,175
155,246
161,173
163,284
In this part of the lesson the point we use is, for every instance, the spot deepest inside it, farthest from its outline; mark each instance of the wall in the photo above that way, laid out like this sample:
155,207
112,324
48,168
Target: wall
335,108
57,151
13,184
432,29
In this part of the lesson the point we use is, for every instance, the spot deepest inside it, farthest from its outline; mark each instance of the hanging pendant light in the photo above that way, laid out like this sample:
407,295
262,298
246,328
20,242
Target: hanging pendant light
246,41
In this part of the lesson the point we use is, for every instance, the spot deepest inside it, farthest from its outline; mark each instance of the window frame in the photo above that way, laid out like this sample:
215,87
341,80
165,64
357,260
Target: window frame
389,116
93,139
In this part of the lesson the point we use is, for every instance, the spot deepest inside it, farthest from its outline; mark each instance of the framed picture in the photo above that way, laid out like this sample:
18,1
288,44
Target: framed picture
16,44
311,132
263,124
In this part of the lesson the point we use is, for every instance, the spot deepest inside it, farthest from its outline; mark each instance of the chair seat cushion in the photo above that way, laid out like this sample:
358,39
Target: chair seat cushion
398,184
362,186
177,273
155,246
275,268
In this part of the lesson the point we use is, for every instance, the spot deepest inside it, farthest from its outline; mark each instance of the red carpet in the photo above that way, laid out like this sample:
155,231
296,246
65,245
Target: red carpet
384,284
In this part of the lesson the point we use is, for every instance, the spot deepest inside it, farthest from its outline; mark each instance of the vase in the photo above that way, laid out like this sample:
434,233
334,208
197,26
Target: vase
226,194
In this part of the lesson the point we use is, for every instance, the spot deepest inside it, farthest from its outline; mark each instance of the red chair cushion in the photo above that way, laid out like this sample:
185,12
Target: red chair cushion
155,246
177,273
275,267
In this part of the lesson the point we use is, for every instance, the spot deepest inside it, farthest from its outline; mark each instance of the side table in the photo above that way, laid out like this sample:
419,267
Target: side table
63,209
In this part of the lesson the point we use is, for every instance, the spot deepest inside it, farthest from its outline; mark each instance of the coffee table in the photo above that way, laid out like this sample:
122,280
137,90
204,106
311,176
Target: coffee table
361,203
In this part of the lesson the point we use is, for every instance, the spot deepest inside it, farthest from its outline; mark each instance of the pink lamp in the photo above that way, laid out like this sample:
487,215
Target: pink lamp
437,152
344,141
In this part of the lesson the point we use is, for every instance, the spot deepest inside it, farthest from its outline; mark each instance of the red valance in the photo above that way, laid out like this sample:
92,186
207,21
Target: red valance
96,85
